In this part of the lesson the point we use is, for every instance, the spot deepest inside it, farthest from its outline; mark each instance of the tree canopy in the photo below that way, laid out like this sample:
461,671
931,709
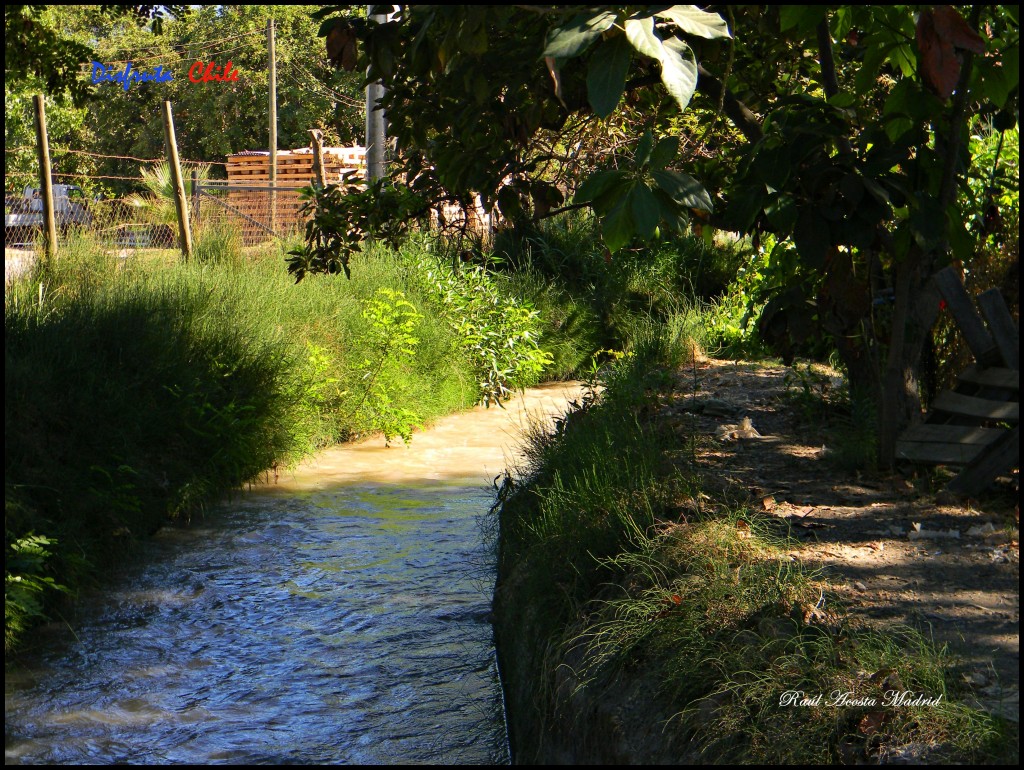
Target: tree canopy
841,133
212,119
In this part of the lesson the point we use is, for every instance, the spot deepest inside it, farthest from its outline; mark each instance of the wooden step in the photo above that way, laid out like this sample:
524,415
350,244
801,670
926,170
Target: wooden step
994,377
1001,456
951,434
944,444
982,408
937,454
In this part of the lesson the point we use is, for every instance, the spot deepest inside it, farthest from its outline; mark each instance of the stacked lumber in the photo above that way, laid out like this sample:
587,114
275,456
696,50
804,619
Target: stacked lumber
294,167
294,170
450,217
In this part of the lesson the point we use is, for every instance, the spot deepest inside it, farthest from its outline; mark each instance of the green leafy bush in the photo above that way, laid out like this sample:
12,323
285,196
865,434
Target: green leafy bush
25,583
392,320
499,331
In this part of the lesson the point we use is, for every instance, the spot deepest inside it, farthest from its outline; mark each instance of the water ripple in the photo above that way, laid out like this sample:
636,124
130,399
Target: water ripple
342,626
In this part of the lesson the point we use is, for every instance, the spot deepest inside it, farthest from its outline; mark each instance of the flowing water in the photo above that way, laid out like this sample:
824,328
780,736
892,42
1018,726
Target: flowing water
339,615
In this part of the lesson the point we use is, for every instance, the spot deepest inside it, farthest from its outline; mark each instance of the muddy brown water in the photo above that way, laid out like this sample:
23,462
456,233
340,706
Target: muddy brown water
340,615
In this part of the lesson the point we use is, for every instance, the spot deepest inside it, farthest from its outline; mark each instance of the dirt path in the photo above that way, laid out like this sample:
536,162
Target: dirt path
891,551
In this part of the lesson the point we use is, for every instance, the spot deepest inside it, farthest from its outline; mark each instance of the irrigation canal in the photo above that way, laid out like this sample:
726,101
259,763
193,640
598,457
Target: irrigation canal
340,615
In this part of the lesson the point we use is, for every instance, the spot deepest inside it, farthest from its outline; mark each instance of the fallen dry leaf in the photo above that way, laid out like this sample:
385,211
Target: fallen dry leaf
874,721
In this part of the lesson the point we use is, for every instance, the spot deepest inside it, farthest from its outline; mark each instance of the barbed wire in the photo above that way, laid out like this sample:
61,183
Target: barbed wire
98,176
69,151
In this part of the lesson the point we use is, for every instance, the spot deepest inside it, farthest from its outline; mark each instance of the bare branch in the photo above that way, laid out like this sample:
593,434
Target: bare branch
741,116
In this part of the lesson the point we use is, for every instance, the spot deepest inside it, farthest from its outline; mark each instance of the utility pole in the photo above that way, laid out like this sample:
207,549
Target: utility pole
273,124
376,123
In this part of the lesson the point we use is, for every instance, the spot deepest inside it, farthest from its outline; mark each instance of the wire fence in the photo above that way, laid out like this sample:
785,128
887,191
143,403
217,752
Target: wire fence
146,218
134,222
256,212
247,207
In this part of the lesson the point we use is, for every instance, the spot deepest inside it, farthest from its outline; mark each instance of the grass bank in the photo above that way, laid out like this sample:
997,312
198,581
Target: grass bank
138,391
640,621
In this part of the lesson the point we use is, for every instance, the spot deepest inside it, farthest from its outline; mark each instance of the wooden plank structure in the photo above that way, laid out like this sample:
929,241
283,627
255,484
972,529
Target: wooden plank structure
250,169
977,423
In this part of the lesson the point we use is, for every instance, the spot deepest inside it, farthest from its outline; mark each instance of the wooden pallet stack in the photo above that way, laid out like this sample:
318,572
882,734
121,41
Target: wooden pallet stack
975,425
294,170
475,218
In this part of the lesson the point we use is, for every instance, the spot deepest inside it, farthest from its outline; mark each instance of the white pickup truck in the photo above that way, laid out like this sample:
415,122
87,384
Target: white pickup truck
23,216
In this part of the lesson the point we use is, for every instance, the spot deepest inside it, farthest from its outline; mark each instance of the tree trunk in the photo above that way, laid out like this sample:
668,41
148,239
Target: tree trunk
844,310
915,311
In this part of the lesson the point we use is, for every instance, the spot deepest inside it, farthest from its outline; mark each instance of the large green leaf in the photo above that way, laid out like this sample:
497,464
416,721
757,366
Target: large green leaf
643,149
646,213
671,212
617,228
781,214
961,242
997,79
926,223
597,184
641,35
683,189
576,36
664,152
803,17
694,21
772,165
606,77
678,72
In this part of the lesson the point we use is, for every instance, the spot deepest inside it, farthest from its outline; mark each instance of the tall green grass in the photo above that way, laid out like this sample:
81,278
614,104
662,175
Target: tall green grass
141,389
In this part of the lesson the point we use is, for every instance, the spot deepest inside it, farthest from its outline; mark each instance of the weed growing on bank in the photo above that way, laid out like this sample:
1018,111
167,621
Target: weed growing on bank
687,622
499,331
591,301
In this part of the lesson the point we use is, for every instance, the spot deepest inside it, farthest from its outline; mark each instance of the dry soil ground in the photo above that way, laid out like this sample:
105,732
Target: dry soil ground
892,552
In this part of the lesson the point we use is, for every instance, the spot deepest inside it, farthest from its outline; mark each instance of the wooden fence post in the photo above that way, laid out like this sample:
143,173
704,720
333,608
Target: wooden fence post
272,160
318,156
45,177
180,201
195,195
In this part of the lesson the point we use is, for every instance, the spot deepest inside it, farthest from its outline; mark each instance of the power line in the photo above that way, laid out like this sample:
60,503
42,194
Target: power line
146,49
324,89
323,93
